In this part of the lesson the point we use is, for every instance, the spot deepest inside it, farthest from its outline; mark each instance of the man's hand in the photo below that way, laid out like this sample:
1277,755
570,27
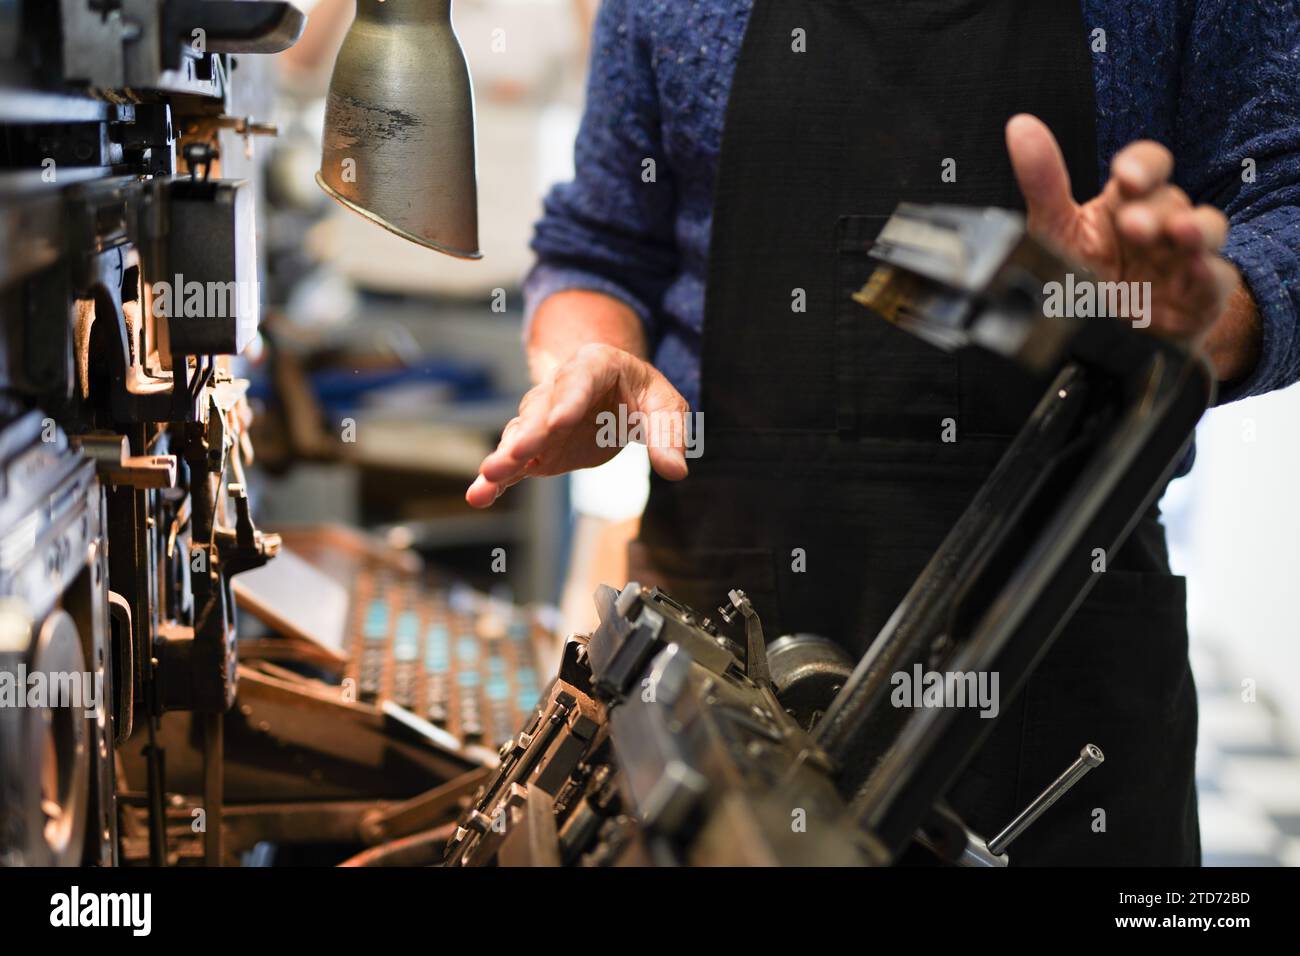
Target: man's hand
557,430
1142,228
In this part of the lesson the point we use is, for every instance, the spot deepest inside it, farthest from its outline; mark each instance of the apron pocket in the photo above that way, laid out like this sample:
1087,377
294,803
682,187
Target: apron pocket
889,383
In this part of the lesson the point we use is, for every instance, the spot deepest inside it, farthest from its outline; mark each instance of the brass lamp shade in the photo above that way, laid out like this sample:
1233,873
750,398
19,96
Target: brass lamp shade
399,126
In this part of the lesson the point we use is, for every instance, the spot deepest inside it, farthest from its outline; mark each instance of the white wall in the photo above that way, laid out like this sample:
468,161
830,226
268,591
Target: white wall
1235,532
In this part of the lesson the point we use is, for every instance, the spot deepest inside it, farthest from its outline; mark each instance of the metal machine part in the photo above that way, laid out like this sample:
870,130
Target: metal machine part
56,692
142,44
214,257
121,432
944,834
1090,758
654,745
808,670
44,742
684,764
957,276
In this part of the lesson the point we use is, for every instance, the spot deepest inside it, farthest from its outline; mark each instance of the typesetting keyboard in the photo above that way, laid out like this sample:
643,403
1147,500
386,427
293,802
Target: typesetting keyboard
465,661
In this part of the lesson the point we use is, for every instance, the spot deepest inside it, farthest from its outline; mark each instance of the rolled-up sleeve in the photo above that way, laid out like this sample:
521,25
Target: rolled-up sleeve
610,229
1239,148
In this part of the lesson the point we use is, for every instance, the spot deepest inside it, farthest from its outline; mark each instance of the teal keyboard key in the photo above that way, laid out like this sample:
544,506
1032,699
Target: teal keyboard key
406,642
408,626
437,651
375,627
468,678
467,650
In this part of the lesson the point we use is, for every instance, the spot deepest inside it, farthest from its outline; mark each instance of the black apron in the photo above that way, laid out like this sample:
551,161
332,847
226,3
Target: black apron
825,483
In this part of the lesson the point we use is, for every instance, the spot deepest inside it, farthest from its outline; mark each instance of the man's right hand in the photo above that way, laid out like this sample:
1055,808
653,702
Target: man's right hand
558,424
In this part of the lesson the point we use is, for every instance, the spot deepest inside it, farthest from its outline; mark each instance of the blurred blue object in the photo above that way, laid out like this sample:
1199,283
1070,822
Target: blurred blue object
342,390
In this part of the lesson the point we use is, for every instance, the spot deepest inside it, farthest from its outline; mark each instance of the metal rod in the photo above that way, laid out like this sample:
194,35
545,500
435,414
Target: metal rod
1091,756
213,747
156,797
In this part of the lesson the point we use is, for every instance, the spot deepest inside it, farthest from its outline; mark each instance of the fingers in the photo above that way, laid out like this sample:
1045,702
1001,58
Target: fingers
669,417
1141,167
1144,221
597,370
1167,216
1167,240
506,466
1041,172
483,493
521,439
571,392
1201,228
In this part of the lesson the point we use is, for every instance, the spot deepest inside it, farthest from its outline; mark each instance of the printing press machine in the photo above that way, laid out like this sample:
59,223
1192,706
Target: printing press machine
397,716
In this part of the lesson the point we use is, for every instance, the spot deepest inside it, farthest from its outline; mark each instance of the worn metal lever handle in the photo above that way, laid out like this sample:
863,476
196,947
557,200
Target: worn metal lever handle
1091,756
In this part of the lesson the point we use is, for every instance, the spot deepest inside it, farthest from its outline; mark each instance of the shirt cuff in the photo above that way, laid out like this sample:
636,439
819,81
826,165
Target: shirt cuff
1257,256
546,280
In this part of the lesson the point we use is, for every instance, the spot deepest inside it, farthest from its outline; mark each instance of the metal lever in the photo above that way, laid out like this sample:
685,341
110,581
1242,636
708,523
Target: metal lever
1091,756
756,647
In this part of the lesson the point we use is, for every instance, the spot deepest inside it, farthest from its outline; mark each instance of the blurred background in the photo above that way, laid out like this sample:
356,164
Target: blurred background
386,371
1234,529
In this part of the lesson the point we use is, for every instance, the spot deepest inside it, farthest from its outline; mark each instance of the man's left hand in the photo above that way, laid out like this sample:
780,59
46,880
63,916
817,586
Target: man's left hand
1141,228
